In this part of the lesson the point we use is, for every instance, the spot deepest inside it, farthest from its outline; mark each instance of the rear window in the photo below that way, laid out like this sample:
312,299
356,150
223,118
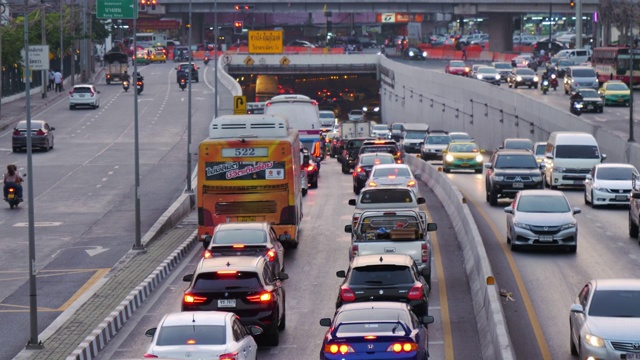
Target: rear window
81,90
382,196
438,140
403,172
381,275
518,144
583,73
375,160
214,281
352,144
417,135
239,236
368,315
192,335
373,149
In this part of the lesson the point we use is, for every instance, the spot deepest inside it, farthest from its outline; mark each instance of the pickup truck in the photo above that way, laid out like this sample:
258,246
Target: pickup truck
396,232
386,199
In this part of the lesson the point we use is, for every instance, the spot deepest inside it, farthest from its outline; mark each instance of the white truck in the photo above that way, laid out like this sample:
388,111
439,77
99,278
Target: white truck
355,129
395,232
386,198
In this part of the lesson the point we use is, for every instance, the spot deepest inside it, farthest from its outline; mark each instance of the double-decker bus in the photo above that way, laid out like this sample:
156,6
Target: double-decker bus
249,169
613,63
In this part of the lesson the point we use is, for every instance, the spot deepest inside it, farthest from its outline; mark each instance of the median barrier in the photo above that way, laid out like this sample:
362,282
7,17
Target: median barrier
490,320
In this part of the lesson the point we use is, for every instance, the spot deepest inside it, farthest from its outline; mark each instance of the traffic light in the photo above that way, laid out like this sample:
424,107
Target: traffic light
237,27
244,7
143,5
572,4
153,4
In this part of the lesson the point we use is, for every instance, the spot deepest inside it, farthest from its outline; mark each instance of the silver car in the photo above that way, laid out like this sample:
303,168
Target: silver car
609,184
542,218
84,95
604,322
396,175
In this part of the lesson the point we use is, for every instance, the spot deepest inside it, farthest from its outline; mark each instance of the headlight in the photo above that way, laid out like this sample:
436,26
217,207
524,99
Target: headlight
597,188
558,169
449,158
479,158
498,177
377,108
535,78
545,83
410,53
518,78
479,76
593,340
497,76
364,108
521,225
424,53
536,178
553,76
568,226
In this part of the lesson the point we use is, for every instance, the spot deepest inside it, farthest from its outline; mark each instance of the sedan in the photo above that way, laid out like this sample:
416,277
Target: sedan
365,163
414,54
397,175
609,184
202,334
457,67
84,95
356,115
246,239
375,330
488,74
587,100
522,77
604,320
41,135
542,218
615,92
504,68
462,156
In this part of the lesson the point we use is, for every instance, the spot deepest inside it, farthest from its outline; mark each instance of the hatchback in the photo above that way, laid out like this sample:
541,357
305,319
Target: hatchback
397,175
356,115
84,95
183,68
41,135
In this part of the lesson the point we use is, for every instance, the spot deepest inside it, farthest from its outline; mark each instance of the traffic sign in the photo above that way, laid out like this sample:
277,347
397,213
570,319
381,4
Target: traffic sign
284,61
265,42
239,105
38,57
116,9
248,61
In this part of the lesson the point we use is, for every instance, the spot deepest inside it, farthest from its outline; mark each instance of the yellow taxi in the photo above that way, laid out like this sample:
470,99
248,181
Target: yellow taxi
158,56
462,155
615,92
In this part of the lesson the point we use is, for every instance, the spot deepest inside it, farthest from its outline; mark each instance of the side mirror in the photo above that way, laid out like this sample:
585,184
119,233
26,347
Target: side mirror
588,177
487,165
577,308
352,202
283,276
325,322
482,151
508,210
254,330
52,128
417,176
576,211
306,159
206,242
444,152
421,201
426,320
341,274
187,278
432,227
348,228
150,332
603,157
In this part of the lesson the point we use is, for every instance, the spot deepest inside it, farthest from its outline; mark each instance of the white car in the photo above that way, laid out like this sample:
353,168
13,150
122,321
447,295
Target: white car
84,95
356,115
380,131
327,118
609,184
202,335
604,322
394,175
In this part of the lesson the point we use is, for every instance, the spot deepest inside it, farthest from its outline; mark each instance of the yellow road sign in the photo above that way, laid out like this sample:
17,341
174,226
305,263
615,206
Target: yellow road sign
284,61
248,61
265,42
239,105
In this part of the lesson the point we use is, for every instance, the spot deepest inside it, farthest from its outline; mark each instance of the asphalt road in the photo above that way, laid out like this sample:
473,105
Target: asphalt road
312,287
84,192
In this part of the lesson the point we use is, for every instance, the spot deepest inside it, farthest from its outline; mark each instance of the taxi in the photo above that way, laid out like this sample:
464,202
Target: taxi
461,155
158,56
142,57
615,92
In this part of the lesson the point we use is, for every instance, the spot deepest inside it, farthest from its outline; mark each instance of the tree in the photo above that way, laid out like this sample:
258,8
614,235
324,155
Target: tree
623,14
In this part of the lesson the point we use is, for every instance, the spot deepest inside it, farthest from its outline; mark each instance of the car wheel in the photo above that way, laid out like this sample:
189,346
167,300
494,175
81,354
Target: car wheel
71,107
272,338
514,247
283,321
510,86
566,92
493,198
586,201
508,237
529,86
633,227
356,190
593,205
515,85
601,110
478,171
447,170
304,192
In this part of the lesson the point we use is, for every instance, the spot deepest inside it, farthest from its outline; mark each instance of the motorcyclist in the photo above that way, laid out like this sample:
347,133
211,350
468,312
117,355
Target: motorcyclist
126,77
12,178
183,78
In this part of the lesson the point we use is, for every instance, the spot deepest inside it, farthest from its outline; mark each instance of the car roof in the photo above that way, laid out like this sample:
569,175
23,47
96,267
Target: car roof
393,166
517,139
195,318
259,225
514,152
24,123
617,284
538,192
242,263
326,111
462,142
375,154
374,305
382,259
614,165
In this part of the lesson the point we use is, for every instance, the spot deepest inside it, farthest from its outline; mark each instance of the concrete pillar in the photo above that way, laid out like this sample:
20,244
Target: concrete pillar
500,32
196,31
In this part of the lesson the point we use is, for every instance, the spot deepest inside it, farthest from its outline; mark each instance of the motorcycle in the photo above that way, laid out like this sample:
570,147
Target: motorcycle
577,108
125,85
544,86
140,86
554,82
183,83
12,195
206,60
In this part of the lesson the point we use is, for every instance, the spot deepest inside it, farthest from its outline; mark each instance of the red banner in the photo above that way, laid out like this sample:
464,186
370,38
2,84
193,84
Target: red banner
399,18
154,24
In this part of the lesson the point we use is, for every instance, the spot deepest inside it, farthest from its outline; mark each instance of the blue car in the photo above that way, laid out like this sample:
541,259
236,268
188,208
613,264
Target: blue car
375,330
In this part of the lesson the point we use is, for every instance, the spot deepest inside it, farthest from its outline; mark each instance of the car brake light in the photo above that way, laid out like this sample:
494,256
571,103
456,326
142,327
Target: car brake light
271,254
228,356
415,293
192,299
346,294
149,356
16,132
40,132
238,246
370,337
372,184
425,253
403,347
207,254
71,93
411,183
226,272
391,176
355,222
376,162
92,93
262,297
359,169
338,348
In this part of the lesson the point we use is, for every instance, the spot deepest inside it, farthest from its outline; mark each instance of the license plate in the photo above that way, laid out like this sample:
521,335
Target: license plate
545,238
578,182
226,303
464,164
81,95
518,185
11,196
590,107
622,197
632,356
528,82
620,100
246,219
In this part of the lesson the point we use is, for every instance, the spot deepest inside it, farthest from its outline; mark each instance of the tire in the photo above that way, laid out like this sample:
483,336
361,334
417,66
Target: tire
592,204
304,192
633,227
601,110
446,170
71,107
108,82
514,247
493,198
272,338
510,86
515,86
11,206
283,322
345,169
356,190
566,92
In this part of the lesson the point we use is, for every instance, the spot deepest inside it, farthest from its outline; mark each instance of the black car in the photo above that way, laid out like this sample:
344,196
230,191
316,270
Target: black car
562,65
41,135
588,100
244,285
510,171
522,77
365,163
412,53
350,153
384,277
382,146
556,46
183,68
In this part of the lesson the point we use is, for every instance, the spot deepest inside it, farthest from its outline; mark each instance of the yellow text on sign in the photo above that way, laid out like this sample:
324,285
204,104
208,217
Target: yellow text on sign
265,42
239,105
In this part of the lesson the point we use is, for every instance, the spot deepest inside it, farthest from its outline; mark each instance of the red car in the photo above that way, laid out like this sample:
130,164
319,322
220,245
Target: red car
457,67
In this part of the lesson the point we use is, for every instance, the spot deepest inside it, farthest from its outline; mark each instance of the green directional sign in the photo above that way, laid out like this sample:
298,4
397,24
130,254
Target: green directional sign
116,9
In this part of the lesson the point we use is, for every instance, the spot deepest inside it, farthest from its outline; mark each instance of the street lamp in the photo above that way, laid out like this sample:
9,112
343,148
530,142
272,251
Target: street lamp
189,188
632,51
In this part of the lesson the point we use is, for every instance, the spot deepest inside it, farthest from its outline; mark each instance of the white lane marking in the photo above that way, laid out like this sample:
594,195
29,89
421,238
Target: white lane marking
39,224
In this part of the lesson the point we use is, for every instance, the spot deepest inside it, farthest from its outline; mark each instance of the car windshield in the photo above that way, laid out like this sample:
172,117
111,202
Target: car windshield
502,66
577,152
354,144
375,160
383,196
327,115
565,63
378,148
457,64
463,148
382,275
380,128
516,161
611,173
415,135
525,72
355,112
583,73
543,204
617,86
588,93
615,303
238,280
487,70
239,236
540,149
192,335
518,144
438,140
391,172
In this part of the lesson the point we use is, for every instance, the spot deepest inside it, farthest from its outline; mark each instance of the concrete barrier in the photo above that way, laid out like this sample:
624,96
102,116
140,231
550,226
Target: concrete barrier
490,320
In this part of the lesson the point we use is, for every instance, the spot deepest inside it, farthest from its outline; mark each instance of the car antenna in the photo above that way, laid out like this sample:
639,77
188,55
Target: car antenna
381,259
193,317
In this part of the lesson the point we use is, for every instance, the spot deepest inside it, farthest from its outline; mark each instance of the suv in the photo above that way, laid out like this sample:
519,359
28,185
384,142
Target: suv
517,143
244,285
433,144
384,277
350,153
182,68
387,146
576,77
510,171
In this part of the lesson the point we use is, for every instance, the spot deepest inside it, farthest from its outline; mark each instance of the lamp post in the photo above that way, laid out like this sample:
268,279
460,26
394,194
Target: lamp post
43,34
136,152
632,51
215,58
61,44
189,188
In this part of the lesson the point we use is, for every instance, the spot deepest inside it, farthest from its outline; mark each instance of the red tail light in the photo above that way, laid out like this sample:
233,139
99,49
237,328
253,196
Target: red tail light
355,220
262,297
425,253
338,348
139,83
359,169
271,254
310,167
192,299
40,133
12,190
207,254
403,347
238,246
346,294
354,250
92,93
149,356
415,293
16,132
228,356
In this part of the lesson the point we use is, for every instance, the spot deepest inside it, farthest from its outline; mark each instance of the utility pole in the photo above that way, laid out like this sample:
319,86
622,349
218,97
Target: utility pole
83,47
45,77
74,43
578,24
61,45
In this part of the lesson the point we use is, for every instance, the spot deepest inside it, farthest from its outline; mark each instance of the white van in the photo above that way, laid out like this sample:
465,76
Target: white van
301,110
578,56
569,157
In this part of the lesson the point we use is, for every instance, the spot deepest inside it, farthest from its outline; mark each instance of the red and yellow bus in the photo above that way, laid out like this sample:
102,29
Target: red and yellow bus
614,63
249,169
